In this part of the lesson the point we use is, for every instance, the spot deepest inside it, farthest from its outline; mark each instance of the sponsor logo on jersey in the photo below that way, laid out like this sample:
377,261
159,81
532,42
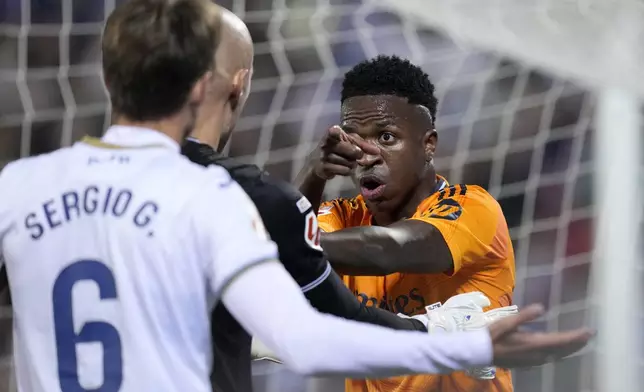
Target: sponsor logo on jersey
408,305
303,204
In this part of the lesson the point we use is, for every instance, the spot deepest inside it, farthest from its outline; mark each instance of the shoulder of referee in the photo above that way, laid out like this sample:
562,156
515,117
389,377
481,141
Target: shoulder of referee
276,200
202,154
199,153
290,221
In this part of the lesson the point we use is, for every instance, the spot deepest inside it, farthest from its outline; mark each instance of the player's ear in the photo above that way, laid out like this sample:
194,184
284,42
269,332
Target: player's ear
430,138
239,88
199,90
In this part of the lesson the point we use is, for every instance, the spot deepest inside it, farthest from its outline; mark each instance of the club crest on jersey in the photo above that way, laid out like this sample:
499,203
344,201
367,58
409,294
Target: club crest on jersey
256,221
303,204
326,210
312,231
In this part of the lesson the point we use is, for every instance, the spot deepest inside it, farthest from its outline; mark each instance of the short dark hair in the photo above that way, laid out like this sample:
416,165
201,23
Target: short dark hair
391,75
153,53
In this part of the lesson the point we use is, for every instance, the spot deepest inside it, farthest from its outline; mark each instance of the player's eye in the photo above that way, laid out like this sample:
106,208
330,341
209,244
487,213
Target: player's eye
386,138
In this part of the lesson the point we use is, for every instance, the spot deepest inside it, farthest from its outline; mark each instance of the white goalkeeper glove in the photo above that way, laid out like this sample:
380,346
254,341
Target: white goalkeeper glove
464,312
259,352
488,373
454,314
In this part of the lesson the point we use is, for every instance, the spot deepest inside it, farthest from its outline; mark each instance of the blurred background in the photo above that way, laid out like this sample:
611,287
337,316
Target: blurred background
522,134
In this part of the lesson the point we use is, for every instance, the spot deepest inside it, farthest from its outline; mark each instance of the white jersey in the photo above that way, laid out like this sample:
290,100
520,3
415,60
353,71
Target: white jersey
116,251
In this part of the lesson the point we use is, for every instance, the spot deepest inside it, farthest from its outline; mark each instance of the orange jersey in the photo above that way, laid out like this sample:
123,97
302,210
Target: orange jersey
476,232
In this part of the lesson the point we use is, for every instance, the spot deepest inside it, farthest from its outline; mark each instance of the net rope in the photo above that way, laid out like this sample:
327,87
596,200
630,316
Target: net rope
522,133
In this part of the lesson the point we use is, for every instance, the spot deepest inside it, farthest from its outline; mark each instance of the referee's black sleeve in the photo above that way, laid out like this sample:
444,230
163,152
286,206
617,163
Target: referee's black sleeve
333,297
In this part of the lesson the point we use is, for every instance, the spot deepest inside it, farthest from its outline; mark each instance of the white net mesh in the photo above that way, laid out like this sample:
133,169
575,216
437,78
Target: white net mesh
597,42
522,134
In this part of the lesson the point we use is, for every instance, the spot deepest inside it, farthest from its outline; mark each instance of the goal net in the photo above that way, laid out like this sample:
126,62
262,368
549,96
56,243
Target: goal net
518,84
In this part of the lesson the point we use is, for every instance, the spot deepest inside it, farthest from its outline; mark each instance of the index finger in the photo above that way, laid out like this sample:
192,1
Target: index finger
335,134
365,146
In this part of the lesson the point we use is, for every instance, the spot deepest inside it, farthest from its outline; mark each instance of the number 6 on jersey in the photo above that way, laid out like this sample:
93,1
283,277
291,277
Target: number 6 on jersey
67,338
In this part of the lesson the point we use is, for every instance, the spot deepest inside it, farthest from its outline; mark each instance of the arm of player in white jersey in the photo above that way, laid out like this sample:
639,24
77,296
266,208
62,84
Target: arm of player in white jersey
270,306
267,302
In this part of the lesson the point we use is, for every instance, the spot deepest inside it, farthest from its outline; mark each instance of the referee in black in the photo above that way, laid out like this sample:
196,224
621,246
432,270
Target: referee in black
284,210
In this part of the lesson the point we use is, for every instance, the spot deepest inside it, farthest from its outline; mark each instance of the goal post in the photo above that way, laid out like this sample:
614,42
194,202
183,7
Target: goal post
618,235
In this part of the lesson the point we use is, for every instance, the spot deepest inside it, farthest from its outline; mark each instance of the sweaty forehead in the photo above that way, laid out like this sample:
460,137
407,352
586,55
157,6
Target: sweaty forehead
383,108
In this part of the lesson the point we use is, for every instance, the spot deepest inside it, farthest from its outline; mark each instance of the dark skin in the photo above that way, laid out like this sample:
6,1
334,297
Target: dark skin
387,142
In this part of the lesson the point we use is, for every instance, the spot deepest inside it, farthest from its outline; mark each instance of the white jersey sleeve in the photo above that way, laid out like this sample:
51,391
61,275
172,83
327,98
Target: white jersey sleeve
312,343
236,237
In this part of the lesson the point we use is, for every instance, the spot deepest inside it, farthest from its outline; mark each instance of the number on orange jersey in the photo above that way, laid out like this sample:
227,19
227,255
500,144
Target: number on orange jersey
448,208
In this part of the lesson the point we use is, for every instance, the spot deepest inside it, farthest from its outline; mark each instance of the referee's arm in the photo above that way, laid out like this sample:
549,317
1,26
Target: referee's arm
333,297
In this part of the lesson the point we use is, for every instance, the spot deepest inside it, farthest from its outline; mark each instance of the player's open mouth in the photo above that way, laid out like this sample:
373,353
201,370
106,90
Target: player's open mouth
371,187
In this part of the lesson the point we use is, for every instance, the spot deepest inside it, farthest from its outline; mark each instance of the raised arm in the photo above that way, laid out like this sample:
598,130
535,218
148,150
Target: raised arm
309,183
413,246
335,155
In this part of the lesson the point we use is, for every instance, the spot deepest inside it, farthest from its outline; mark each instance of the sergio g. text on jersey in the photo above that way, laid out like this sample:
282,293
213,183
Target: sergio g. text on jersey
92,200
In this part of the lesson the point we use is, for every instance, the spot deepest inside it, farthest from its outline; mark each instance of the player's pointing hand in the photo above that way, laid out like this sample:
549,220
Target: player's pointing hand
515,348
339,153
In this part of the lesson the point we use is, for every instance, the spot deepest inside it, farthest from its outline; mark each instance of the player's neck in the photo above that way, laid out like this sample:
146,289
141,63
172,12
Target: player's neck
173,127
210,125
406,209
206,137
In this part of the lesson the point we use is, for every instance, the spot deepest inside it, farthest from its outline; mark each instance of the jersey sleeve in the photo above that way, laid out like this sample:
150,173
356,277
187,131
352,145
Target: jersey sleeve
293,226
332,215
231,232
332,296
471,223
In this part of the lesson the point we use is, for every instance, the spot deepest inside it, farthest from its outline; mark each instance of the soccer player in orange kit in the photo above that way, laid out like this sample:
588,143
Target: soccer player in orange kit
410,239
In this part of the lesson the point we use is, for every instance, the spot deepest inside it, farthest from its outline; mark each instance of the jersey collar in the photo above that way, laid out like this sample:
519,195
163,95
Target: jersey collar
125,137
441,183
